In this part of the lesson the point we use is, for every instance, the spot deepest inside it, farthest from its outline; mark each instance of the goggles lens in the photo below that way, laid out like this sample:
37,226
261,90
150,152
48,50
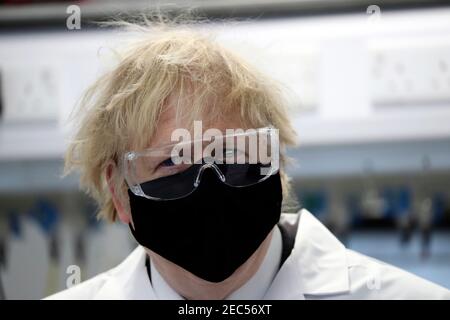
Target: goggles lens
174,171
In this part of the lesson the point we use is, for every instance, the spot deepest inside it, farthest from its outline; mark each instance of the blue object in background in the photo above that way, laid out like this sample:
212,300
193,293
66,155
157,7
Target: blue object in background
315,202
14,224
439,205
398,202
45,214
404,200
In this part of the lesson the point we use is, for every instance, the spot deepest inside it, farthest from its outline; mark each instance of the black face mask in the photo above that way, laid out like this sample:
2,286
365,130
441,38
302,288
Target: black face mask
212,231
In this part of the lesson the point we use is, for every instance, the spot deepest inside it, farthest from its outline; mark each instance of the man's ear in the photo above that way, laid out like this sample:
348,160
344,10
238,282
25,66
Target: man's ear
121,208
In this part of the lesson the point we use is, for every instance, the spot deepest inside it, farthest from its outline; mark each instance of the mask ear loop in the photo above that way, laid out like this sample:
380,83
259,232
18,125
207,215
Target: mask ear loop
205,166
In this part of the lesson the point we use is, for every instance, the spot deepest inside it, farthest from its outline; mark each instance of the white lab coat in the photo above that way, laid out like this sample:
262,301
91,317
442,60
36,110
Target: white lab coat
319,267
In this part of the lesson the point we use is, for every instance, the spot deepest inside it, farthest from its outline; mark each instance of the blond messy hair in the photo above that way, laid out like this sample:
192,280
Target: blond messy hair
120,111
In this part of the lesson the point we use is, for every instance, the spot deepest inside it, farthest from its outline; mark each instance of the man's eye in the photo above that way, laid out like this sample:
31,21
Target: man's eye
229,152
235,156
167,163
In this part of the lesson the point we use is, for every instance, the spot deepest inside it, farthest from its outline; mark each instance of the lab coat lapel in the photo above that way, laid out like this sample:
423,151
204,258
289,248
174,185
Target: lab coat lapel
317,264
129,280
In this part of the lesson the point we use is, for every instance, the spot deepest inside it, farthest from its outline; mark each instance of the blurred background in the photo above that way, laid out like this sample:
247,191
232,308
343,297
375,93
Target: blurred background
367,82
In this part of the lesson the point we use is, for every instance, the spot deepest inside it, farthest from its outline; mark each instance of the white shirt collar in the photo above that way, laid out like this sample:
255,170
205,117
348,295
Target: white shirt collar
254,289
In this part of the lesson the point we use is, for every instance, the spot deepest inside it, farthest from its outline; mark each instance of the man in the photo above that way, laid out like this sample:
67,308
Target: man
184,142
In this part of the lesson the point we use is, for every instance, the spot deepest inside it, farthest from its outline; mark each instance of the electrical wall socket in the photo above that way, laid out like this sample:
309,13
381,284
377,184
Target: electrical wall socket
30,93
410,72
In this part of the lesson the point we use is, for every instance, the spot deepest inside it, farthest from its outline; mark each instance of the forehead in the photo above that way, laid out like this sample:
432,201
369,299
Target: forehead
169,122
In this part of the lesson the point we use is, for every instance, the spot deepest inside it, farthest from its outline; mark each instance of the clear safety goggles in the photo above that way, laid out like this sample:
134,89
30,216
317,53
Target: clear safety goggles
240,159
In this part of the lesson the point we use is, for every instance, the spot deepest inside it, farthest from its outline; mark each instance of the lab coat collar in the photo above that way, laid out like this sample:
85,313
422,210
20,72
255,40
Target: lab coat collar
317,264
129,280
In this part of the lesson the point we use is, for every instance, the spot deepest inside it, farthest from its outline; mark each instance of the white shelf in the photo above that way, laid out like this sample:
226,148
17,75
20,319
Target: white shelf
31,142
399,124
384,159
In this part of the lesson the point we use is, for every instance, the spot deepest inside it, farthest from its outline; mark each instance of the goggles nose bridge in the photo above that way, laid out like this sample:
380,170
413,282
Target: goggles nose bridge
214,167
